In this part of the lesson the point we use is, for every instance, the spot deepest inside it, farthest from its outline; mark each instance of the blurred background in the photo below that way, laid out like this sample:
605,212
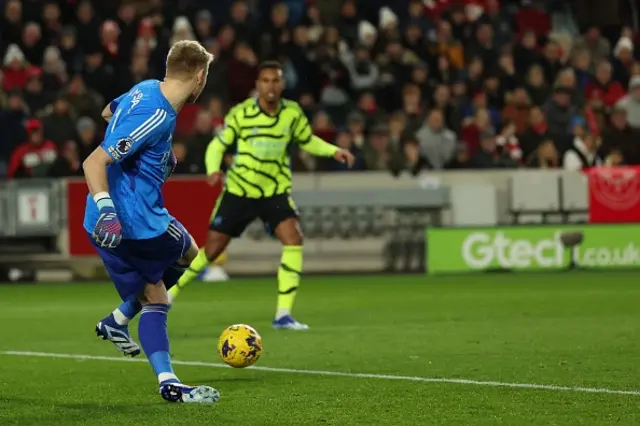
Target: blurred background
459,112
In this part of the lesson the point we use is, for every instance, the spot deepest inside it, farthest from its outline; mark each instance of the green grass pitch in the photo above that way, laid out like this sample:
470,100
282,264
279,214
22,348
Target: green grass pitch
572,330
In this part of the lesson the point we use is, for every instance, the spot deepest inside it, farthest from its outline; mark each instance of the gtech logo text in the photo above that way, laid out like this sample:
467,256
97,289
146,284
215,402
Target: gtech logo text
482,250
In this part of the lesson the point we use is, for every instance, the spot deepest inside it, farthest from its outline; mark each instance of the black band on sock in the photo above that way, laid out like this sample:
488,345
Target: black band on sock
289,269
289,291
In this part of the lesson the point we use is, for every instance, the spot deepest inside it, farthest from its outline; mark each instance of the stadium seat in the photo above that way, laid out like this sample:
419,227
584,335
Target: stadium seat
575,196
533,197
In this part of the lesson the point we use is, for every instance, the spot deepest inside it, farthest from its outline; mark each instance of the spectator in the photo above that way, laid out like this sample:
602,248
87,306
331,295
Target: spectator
87,26
536,133
69,163
437,143
34,157
357,65
477,129
59,123
69,51
544,157
54,74
301,56
442,101
11,22
87,137
344,139
551,61
508,144
34,94
184,165
461,158
397,129
567,79
32,44
323,127
13,131
526,53
409,160
614,159
593,42
620,138
379,154
507,72
602,93
483,46
517,109
368,107
558,112
198,142
581,66
363,71
412,107
447,46
583,154
14,71
243,71
631,103
84,101
536,86
242,23
355,124
204,26
489,156
623,61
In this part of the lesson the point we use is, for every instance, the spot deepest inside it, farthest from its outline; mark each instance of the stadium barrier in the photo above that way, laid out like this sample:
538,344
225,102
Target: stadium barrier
353,222
533,248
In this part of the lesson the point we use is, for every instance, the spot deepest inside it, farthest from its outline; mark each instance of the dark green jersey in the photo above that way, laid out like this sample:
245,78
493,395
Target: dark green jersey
261,166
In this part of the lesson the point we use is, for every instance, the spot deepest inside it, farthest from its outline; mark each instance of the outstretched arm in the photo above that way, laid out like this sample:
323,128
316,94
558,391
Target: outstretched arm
318,147
312,144
219,145
213,156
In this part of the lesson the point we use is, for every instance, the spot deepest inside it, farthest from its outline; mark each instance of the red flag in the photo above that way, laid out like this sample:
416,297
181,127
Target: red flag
614,194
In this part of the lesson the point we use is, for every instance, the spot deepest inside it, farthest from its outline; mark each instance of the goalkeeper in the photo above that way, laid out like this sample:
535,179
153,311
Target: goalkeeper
258,184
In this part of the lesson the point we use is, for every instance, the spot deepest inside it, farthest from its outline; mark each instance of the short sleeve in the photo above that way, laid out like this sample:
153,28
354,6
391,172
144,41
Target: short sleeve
134,132
229,133
302,132
113,105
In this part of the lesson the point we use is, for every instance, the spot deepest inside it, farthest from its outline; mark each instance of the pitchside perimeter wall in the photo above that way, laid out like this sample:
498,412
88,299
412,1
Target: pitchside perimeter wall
373,221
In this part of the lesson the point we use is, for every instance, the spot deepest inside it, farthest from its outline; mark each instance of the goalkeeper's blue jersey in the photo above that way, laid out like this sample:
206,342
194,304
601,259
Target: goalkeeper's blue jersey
138,140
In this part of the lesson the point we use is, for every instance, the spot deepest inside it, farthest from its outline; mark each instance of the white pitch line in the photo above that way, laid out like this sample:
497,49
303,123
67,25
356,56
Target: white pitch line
339,374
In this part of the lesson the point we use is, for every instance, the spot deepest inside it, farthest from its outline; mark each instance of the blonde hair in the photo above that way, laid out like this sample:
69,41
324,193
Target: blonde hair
186,58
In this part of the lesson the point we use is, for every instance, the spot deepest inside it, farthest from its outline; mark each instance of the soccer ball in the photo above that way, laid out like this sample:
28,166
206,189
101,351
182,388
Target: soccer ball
240,346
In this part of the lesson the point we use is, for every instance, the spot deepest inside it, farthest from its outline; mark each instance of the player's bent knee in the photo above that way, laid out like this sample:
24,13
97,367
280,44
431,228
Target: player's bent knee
289,233
216,243
154,293
191,253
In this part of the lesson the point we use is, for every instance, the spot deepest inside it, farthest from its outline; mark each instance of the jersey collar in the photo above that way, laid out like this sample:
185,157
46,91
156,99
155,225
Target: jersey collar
282,106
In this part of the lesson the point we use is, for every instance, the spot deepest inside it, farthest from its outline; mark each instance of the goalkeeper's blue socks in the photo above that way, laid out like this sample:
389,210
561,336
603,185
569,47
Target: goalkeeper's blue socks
124,313
154,339
131,307
114,327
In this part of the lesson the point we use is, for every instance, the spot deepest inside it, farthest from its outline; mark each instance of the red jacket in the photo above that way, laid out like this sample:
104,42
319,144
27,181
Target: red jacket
27,156
609,93
14,79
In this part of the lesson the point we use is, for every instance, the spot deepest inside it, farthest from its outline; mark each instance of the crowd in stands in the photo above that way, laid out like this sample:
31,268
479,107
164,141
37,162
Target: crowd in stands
406,85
